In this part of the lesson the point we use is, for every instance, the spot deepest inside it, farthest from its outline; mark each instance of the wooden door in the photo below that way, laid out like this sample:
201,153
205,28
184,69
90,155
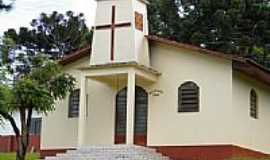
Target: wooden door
141,108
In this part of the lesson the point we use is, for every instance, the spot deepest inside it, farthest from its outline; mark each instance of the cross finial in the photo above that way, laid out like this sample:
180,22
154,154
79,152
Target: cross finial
121,26
113,26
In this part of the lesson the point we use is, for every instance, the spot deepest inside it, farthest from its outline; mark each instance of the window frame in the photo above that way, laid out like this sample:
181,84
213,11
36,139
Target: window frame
253,104
72,111
196,91
35,126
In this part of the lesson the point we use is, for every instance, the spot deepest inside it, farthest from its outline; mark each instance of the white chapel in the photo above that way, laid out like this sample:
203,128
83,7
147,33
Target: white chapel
137,89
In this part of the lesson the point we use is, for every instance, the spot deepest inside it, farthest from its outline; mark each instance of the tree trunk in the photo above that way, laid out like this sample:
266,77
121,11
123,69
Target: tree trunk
22,139
20,155
21,148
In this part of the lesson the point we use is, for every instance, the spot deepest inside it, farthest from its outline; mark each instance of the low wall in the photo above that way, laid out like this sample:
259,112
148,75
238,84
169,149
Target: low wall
8,143
211,152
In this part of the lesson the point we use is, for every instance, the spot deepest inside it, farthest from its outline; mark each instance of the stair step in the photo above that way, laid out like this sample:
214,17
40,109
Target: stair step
110,152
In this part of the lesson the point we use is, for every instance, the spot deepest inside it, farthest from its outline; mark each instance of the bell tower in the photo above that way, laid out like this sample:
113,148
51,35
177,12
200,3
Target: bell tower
119,32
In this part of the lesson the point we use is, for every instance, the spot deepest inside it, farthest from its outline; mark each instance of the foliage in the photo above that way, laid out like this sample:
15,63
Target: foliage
40,84
230,26
30,79
164,18
4,6
31,82
54,34
12,156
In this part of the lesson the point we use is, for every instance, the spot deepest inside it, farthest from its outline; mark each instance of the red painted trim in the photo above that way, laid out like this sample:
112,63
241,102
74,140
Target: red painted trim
211,152
112,33
253,70
119,139
199,50
240,63
244,152
52,152
112,26
70,58
138,139
8,143
101,27
119,25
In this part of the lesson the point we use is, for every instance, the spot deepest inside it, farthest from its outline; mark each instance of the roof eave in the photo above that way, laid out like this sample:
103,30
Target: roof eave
193,48
75,56
244,65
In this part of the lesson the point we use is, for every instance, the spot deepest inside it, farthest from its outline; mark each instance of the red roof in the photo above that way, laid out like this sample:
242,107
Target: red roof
75,56
244,65
241,64
193,48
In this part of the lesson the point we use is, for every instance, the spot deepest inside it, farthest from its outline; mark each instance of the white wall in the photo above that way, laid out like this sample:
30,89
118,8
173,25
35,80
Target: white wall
124,36
224,103
100,120
212,124
249,132
58,131
224,106
130,44
141,43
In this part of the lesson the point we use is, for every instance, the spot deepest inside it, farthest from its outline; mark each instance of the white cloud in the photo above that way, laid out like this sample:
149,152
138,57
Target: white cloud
26,10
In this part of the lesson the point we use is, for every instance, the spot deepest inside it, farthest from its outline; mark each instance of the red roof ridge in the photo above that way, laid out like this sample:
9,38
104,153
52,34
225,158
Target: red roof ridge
72,57
242,64
251,61
194,48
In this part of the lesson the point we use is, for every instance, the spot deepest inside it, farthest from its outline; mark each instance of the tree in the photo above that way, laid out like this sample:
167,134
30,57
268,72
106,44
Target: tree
230,26
55,34
28,83
164,18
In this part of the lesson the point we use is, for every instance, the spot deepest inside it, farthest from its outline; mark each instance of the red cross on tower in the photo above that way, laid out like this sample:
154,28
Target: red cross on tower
113,26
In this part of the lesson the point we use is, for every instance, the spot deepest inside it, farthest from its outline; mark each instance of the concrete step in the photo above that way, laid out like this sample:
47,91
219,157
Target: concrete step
110,152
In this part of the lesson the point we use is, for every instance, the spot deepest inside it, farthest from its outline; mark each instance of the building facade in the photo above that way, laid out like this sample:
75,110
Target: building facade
134,88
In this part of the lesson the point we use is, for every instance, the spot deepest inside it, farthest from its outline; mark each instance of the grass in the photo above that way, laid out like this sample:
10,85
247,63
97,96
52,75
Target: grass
12,156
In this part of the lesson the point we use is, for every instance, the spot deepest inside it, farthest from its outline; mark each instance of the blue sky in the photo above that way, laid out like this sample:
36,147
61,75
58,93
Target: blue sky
26,10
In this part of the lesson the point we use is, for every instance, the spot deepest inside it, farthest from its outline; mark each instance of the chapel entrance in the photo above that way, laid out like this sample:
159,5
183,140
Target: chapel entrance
141,108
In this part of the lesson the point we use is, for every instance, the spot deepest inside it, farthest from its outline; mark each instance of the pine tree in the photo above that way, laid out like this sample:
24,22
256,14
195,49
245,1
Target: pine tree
27,84
4,6
230,26
54,34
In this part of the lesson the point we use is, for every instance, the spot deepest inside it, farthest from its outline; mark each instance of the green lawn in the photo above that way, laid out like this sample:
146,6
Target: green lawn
12,156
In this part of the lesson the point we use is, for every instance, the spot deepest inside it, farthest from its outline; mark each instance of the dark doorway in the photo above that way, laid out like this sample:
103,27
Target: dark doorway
141,108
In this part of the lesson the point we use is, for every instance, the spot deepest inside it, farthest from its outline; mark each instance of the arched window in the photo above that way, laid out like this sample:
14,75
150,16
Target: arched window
253,104
74,104
188,97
